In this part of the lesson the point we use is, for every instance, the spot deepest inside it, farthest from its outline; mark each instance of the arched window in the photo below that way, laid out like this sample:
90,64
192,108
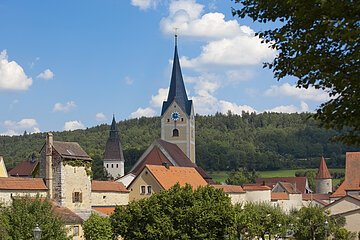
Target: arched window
175,132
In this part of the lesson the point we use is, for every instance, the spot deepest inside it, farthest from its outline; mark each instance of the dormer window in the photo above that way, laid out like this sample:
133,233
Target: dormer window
175,133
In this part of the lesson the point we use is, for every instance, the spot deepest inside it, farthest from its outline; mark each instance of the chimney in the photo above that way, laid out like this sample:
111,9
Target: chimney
48,168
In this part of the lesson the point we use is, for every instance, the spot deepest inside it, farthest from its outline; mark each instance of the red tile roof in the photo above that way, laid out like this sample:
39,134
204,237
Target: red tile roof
108,186
317,196
289,187
16,183
323,172
254,187
230,188
279,196
68,216
164,152
352,175
271,182
24,169
168,177
104,210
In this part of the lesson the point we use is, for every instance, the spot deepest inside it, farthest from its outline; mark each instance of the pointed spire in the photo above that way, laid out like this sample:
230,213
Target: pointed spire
323,172
114,131
113,149
177,87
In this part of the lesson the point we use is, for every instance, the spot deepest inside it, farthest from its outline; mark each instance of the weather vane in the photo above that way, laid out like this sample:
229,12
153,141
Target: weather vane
176,35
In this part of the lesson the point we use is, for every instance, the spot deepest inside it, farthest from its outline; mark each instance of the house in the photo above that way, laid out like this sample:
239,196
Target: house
3,171
347,206
159,153
351,184
155,178
286,196
315,199
301,183
235,192
28,168
11,187
106,195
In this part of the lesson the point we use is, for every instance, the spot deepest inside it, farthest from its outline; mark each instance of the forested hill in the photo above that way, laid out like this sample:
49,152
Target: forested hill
264,141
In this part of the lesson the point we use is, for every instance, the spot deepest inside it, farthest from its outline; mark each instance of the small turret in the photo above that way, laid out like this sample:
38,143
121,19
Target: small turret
323,179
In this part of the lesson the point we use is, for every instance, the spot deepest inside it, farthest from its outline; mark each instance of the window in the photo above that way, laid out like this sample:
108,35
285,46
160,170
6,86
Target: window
149,190
117,165
107,165
75,230
168,120
76,197
112,165
182,119
175,132
142,190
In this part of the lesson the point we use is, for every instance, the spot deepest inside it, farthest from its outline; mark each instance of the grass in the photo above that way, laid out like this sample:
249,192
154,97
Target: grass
221,176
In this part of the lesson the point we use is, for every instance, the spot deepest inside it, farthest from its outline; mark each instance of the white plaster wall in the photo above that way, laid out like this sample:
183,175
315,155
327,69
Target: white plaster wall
237,197
294,202
109,198
5,195
344,205
258,196
323,186
353,222
113,170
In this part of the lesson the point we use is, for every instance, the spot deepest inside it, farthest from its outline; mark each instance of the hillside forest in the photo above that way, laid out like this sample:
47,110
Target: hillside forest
224,142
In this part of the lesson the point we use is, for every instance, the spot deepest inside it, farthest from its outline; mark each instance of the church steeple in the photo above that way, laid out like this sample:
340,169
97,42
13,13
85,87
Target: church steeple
177,114
177,87
113,155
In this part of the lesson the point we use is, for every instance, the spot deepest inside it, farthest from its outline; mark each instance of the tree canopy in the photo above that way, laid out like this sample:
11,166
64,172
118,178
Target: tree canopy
97,228
179,213
18,220
318,43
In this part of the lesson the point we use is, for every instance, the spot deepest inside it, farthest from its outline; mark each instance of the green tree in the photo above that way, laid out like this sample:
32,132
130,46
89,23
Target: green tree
178,213
318,43
260,219
97,228
20,218
314,222
241,176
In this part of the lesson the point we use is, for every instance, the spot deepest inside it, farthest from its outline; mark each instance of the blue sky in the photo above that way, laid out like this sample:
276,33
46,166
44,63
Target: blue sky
67,64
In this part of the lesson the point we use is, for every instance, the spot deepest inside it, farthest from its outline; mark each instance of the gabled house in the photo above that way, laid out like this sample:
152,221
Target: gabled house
301,183
159,153
236,193
156,178
28,168
286,196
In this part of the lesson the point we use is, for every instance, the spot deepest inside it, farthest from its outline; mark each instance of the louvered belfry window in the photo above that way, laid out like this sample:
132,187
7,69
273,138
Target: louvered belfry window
76,197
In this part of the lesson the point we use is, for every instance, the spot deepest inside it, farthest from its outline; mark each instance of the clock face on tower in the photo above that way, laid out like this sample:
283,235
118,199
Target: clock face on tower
175,116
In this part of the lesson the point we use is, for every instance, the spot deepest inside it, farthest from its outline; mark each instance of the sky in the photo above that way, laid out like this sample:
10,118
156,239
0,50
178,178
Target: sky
67,65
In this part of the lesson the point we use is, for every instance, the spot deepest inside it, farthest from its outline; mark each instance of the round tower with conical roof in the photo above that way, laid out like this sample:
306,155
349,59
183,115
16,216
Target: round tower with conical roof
323,179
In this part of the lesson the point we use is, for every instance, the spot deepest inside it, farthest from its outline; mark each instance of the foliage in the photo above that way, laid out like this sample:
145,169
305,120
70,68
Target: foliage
310,223
178,213
260,219
80,163
242,176
318,43
310,175
19,220
97,228
266,141
343,234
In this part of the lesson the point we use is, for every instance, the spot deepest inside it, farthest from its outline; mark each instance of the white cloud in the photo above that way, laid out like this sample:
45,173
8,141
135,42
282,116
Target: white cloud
60,107
12,75
157,100
241,50
46,74
17,128
287,89
144,4
100,117
143,112
73,125
290,108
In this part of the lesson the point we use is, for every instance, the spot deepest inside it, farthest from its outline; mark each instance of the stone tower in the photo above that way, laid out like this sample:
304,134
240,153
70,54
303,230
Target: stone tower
113,156
177,114
323,179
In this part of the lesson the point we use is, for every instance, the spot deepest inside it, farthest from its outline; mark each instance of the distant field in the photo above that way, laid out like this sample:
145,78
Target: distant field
221,176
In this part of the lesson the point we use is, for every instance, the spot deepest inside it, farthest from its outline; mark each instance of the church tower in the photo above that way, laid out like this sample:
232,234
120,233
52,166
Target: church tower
177,114
113,156
323,179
